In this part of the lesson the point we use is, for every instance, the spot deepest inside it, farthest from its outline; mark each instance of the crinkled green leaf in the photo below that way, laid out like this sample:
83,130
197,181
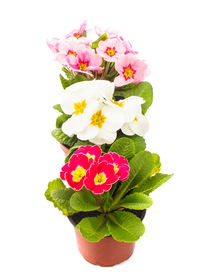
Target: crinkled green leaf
139,141
141,167
58,108
157,164
65,83
61,119
124,147
125,226
143,89
68,73
63,138
93,228
137,201
152,183
60,196
83,201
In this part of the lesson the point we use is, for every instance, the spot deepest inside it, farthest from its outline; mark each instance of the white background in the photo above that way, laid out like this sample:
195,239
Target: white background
37,241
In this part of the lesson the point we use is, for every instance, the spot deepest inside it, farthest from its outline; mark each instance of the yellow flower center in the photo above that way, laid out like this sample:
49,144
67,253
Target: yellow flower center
83,65
120,104
129,72
110,51
116,169
100,178
90,156
98,119
136,119
77,35
72,53
79,107
78,174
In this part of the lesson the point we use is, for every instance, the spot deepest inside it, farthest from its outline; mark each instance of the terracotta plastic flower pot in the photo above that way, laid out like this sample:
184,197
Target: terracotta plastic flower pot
106,252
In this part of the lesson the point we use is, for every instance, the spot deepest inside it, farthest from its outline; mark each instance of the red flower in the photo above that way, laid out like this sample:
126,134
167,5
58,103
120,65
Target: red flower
75,170
92,152
100,177
121,166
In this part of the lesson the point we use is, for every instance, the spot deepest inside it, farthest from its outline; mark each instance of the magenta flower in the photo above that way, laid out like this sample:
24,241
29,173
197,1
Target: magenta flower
85,60
75,170
100,177
110,49
77,33
121,166
130,69
92,152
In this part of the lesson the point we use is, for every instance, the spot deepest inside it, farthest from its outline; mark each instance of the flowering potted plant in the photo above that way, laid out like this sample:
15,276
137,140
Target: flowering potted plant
108,175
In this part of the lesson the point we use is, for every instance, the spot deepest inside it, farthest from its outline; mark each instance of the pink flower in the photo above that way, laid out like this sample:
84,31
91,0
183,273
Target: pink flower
127,45
53,44
85,60
66,48
92,152
130,69
77,33
110,49
121,166
110,33
100,177
75,170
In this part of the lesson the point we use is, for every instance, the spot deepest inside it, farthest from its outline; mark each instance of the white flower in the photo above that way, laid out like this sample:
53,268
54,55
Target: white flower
82,100
136,122
103,125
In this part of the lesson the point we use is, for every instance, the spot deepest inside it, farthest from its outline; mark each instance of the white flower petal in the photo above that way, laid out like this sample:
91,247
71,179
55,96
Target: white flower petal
141,126
126,129
104,137
114,117
107,88
88,133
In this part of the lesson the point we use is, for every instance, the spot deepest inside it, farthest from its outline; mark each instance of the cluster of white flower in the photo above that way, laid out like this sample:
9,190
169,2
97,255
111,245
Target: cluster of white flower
96,117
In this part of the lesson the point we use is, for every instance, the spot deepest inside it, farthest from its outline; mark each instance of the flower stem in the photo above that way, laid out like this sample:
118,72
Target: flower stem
105,71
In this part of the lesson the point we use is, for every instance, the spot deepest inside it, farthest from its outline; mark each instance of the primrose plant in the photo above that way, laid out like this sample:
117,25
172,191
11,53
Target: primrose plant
108,174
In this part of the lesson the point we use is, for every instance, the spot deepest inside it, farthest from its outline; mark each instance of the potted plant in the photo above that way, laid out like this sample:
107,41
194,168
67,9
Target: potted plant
108,175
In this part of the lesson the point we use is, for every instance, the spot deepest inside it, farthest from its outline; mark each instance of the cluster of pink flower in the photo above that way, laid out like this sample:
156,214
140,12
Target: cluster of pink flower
97,173
74,51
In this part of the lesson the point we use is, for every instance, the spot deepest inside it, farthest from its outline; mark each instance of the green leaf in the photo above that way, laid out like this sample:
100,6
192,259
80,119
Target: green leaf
157,164
68,73
125,226
95,44
61,119
152,183
143,89
139,141
58,108
65,83
80,78
60,196
93,228
140,169
137,201
63,138
83,201
124,147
